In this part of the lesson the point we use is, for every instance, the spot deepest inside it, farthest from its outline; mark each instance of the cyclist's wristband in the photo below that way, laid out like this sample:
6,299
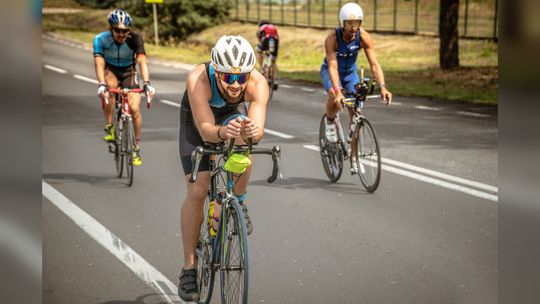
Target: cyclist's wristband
382,85
336,89
219,134
102,84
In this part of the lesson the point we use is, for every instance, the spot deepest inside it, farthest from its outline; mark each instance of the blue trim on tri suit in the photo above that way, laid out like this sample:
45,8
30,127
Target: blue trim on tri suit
117,55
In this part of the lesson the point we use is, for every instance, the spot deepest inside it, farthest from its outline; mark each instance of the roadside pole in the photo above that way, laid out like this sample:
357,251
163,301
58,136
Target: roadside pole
154,9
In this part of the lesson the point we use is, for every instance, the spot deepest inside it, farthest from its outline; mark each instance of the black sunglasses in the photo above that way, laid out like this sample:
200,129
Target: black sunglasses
123,31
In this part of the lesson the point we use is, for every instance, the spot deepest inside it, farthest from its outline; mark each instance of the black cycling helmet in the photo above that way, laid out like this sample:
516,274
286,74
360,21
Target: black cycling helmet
263,22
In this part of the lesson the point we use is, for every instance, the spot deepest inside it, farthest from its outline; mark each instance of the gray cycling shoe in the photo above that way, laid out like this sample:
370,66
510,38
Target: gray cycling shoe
187,288
249,224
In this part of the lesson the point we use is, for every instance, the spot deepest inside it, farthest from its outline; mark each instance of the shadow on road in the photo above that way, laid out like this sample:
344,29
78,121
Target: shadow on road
312,183
99,180
150,298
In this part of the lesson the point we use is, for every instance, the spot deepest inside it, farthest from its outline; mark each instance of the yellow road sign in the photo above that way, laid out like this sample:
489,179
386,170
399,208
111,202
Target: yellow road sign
153,1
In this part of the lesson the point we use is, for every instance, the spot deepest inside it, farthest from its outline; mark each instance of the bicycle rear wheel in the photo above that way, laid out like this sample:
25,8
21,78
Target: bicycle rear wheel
368,156
129,135
204,252
331,154
270,82
118,147
234,256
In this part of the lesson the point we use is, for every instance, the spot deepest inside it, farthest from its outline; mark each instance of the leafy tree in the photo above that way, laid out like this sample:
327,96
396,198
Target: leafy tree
448,33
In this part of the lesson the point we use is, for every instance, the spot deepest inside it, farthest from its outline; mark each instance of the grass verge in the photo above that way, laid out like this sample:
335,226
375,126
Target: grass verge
410,63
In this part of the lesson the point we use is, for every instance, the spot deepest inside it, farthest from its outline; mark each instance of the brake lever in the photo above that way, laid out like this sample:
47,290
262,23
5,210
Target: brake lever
196,157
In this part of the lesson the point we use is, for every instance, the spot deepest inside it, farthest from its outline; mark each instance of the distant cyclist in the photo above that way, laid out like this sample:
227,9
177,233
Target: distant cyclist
268,41
116,53
339,67
222,97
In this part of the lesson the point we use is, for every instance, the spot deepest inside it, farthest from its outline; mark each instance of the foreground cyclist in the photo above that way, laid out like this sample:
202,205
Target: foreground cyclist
116,52
214,110
339,67
268,41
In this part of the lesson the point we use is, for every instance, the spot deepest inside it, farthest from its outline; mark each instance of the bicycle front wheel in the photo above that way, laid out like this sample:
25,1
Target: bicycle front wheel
118,148
367,155
129,136
204,252
331,154
234,255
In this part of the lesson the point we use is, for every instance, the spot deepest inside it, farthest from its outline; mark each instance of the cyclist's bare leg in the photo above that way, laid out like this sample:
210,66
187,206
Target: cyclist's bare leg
191,216
274,69
331,108
134,100
112,83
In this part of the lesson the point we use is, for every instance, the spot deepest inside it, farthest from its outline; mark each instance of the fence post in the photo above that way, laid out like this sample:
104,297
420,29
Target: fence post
466,21
247,11
258,10
495,19
323,13
270,11
294,3
282,20
375,15
395,14
237,18
416,17
339,7
309,12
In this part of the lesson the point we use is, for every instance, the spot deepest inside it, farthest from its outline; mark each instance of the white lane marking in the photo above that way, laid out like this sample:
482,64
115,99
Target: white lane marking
427,108
171,103
431,180
307,89
278,134
396,103
146,272
55,69
83,78
472,114
441,175
373,96
285,86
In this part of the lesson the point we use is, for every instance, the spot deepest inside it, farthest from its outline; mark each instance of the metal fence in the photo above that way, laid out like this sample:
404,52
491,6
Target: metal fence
477,18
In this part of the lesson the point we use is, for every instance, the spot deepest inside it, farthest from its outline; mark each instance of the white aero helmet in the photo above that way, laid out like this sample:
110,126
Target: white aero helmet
233,54
350,11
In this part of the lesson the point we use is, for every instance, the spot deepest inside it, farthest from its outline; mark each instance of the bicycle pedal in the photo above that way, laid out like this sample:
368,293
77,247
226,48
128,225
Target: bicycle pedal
112,147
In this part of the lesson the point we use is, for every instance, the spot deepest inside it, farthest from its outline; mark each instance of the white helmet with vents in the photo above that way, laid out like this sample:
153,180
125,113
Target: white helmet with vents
233,54
350,11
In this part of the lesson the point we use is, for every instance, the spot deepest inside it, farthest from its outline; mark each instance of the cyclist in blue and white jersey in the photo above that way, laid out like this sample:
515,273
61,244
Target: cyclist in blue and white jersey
339,67
116,54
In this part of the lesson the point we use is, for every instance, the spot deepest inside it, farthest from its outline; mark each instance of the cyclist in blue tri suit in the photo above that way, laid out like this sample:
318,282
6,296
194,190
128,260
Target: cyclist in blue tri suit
339,67
116,53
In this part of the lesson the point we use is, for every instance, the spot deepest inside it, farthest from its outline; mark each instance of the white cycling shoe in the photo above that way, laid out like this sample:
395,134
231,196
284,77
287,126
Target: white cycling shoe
330,131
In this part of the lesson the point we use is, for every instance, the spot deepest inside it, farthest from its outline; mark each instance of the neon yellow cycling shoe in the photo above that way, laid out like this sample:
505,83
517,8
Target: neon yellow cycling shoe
136,156
109,133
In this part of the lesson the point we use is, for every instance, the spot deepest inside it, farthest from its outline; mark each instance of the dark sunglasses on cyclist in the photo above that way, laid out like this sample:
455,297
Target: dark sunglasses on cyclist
232,78
123,31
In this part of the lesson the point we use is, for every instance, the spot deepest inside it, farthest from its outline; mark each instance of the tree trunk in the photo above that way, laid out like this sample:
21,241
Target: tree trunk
448,33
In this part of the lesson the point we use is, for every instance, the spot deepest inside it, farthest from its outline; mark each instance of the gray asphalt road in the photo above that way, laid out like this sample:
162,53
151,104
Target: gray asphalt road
415,240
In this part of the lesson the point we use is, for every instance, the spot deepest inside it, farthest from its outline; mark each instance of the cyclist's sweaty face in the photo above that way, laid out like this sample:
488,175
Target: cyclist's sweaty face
350,27
120,33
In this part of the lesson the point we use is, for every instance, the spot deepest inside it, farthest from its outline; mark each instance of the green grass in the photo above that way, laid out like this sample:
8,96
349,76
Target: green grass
410,63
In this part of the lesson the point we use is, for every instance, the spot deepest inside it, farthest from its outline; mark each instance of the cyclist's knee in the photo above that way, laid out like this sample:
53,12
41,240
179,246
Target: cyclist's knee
197,194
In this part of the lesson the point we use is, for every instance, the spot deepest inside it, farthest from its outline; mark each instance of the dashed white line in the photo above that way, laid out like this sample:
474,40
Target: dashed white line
171,103
55,69
83,78
278,134
307,89
432,180
144,270
472,114
427,108
285,86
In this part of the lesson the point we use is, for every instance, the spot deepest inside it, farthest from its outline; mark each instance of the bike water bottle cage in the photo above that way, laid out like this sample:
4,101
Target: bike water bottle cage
237,163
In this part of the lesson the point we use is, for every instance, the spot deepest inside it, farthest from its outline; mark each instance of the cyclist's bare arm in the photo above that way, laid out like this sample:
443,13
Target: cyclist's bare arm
99,63
374,64
142,61
257,96
330,45
199,93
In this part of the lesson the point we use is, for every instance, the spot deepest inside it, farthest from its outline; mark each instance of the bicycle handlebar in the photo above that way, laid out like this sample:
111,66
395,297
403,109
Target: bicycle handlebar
125,92
221,148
